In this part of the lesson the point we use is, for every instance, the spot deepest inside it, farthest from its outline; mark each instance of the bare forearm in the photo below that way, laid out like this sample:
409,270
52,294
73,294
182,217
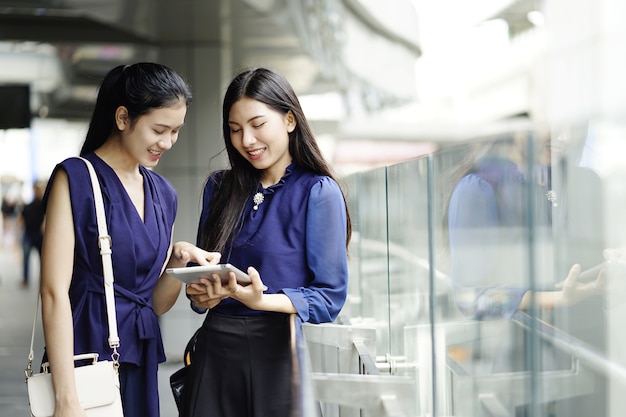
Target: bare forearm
168,288
275,302
572,291
59,338
543,299
165,293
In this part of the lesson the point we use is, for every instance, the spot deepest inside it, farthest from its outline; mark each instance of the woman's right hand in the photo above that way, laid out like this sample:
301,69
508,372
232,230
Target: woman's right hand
202,296
185,252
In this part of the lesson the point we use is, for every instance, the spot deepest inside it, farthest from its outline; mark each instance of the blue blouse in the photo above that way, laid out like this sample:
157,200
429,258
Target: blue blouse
487,226
296,239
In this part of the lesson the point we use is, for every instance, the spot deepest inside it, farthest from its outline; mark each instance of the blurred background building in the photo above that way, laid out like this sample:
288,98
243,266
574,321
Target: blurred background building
396,90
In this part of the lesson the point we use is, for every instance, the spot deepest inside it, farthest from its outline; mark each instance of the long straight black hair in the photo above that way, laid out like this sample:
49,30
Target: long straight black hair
242,178
141,88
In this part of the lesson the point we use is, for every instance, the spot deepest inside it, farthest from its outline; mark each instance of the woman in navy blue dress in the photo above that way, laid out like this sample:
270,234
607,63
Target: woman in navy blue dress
139,112
278,214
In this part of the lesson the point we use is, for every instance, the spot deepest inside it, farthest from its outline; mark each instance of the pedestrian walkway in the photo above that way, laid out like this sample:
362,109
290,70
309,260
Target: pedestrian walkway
17,307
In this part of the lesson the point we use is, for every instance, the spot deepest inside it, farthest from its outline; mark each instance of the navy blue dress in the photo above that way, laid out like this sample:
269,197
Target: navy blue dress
139,252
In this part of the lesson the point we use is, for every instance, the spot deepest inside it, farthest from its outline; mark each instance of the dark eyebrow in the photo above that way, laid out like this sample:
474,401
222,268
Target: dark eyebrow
255,117
249,120
168,126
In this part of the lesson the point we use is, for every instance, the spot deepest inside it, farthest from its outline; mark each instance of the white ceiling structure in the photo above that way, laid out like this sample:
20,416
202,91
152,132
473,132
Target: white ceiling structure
63,48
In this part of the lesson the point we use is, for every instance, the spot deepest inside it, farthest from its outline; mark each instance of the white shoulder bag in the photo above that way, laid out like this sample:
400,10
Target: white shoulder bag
98,383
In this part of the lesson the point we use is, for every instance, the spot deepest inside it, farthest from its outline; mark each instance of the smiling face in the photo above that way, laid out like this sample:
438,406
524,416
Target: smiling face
151,134
261,135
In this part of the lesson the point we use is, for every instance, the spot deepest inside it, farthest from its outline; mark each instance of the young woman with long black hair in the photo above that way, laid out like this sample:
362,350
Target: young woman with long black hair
279,214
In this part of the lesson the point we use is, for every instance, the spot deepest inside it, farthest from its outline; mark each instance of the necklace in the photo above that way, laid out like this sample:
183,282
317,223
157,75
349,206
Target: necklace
258,199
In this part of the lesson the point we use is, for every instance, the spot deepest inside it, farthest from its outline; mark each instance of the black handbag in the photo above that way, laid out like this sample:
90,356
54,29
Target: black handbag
178,378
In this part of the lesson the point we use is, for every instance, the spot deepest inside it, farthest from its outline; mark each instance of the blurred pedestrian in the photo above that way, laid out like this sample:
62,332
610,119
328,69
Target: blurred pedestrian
31,220
11,207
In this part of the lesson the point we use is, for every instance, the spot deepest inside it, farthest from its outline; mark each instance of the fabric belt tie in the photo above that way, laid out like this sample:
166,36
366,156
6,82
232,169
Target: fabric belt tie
146,322
144,314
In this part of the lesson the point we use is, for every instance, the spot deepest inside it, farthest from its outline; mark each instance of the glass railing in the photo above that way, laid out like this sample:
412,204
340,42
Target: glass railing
462,300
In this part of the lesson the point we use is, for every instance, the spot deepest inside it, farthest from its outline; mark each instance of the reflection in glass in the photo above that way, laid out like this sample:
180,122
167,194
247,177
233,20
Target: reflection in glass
466,268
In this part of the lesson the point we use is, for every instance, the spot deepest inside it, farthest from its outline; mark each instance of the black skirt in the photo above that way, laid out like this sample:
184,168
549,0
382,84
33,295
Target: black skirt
242,367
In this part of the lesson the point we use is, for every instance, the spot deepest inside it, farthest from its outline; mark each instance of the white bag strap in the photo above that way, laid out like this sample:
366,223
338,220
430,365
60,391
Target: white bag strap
104,242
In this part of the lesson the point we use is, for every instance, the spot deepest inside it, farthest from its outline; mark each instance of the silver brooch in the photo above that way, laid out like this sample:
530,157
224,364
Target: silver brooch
258,199
551,196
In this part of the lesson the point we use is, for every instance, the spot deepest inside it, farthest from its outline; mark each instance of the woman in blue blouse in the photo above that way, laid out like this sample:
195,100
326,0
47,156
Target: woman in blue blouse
278,214
139,112
487,220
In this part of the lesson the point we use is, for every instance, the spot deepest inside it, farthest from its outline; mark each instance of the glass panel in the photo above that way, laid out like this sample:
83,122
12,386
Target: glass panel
409,263
584,226
495,245
463,264
368,301
603,152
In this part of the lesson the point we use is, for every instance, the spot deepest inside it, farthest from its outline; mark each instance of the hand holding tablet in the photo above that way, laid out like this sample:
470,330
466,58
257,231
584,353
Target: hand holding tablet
192,274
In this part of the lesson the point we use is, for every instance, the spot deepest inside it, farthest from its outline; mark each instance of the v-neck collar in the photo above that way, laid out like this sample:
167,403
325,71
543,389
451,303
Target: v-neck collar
147,198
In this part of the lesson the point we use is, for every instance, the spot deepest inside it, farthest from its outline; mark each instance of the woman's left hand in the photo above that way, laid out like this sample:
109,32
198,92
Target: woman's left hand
575,291
252,294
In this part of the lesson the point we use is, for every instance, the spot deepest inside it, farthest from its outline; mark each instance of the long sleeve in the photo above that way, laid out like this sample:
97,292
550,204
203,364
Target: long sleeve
322,300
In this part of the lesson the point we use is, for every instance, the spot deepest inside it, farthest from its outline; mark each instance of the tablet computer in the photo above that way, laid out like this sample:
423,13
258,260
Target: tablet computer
192,274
